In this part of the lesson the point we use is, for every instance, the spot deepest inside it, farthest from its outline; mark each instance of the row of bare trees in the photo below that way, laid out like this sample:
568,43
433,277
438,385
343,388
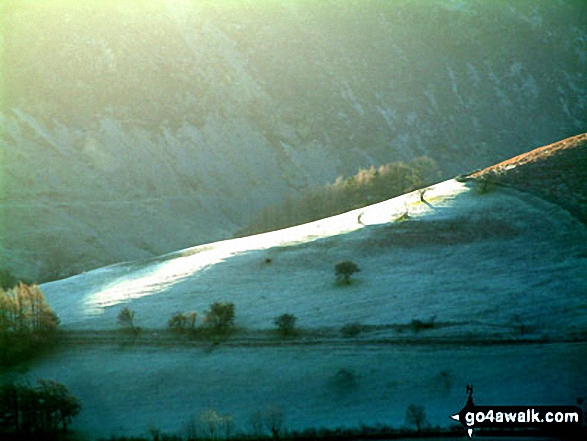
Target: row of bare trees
211,425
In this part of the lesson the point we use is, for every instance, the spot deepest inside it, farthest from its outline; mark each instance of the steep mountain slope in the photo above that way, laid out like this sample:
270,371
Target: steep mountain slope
501,271
130,129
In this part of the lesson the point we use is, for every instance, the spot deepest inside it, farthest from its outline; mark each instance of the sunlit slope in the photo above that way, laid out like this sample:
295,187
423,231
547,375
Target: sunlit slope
484,261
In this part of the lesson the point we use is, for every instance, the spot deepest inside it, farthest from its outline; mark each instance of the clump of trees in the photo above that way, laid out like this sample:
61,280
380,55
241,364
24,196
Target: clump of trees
344,270
183,322
38,410
220,317
25,309
27,323
210,425
272,419
286,324
368,186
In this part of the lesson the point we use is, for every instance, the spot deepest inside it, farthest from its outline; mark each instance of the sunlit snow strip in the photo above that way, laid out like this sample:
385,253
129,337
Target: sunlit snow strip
177,266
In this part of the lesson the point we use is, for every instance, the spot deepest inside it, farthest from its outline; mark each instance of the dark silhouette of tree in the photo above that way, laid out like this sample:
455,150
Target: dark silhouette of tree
416,415
344,270
274,419
39,410
286,324
126,318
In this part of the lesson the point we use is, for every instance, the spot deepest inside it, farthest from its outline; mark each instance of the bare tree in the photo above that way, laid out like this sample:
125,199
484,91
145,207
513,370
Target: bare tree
126,318
210,421
227,423
274,419
416,415
256,424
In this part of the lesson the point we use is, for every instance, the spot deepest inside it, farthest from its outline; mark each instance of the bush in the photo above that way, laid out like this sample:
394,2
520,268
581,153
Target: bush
419,325
220,317
344,270
286,324
351,330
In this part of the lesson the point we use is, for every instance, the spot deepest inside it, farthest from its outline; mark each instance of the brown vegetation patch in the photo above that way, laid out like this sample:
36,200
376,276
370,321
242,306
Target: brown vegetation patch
556,172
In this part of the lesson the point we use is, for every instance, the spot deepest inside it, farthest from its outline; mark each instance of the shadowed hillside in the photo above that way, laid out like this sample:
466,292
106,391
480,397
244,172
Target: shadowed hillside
130,129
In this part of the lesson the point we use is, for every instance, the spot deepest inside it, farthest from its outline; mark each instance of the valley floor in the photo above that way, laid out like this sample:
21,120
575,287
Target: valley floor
127,389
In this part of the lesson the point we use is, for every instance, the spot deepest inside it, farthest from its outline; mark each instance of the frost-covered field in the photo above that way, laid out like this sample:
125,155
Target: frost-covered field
128,390
494,265
490,260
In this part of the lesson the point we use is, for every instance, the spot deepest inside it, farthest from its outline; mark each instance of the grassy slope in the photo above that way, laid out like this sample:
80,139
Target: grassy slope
478,260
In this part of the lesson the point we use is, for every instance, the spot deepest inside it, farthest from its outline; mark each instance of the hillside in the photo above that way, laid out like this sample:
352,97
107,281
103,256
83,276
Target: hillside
131,129
409,265
556,172
499,275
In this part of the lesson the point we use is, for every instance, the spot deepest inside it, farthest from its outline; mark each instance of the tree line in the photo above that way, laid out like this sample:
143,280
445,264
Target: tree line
42,409
368,186
27,323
